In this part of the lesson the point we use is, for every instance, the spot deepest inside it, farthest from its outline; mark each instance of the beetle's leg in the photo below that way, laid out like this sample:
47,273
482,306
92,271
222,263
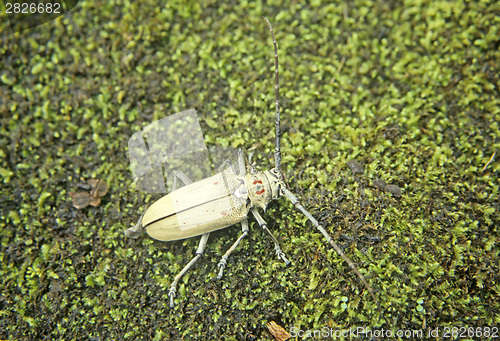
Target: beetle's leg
201,247
244,223
241,163
223,261
227,163
277,248
199,252
136,231
309,216
183,177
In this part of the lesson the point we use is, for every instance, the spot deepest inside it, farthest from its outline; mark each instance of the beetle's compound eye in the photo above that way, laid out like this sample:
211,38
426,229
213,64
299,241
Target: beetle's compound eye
259,189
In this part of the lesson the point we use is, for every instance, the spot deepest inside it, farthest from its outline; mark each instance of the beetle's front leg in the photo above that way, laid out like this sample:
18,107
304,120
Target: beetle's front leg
223,261
277,247
296,203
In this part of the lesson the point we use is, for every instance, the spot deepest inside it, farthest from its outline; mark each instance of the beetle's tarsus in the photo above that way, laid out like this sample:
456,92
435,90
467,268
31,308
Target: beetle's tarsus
223,262
171,294
277,248
221,266
132,234
281,255
136,231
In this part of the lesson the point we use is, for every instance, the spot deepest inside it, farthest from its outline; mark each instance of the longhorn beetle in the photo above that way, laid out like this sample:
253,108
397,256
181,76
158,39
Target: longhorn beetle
223,200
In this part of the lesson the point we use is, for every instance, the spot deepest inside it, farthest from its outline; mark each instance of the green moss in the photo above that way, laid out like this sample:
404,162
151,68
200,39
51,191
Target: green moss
409,91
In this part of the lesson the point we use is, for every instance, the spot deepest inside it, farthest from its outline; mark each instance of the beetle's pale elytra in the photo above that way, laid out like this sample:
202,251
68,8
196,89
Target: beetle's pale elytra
215,202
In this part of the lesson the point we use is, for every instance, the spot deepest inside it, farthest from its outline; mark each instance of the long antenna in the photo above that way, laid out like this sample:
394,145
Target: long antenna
277,151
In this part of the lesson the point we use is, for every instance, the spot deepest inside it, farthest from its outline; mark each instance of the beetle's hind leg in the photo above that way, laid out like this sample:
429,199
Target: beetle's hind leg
244,223
137,230
223,261
201,247
277,247
199,252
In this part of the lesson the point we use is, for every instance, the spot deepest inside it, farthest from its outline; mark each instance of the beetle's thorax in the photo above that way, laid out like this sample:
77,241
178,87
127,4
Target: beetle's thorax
264,187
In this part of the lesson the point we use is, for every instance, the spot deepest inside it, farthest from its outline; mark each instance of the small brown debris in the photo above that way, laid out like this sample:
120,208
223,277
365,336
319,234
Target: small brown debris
395,190
98,189
80,199
94,201
380,184
278,332
355,166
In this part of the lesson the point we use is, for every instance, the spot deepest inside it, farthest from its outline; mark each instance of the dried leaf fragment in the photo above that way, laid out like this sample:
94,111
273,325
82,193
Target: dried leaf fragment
278,332
80,199
92,197
94,201
99,187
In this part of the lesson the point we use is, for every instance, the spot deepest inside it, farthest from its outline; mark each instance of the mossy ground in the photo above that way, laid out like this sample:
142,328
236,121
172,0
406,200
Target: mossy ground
410,90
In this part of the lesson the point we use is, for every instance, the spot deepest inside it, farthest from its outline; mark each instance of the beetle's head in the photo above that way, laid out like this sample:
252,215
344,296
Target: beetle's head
259,189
